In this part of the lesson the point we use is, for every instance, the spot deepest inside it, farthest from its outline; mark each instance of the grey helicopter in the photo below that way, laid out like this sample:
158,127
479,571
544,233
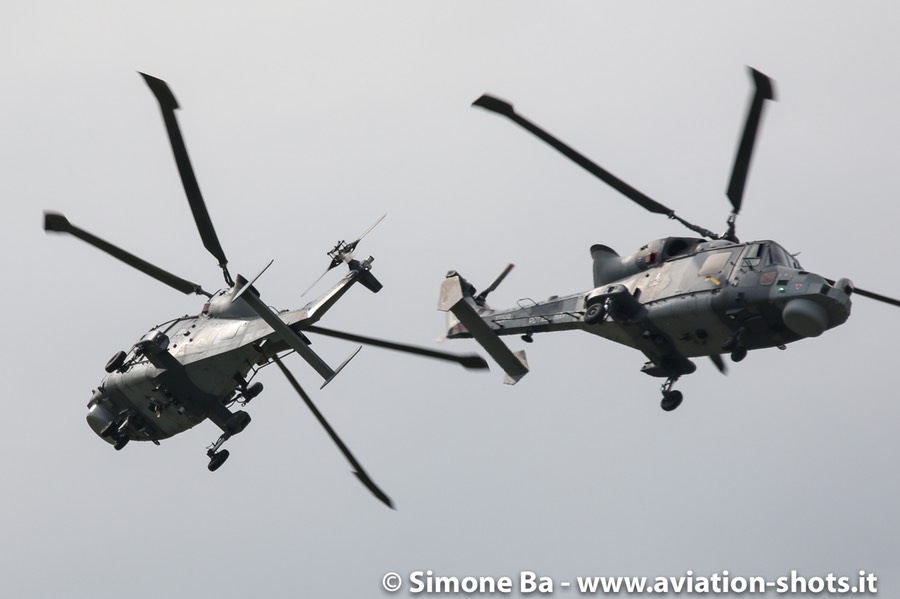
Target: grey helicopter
675,298
191,368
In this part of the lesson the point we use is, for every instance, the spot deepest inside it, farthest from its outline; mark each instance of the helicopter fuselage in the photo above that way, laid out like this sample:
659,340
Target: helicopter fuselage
675,298
678,298
178,375
193,368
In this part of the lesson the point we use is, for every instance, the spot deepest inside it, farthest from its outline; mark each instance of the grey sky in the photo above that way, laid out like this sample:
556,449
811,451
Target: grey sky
307,120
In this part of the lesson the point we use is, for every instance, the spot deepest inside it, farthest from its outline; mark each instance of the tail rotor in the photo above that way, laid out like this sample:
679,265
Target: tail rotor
342,252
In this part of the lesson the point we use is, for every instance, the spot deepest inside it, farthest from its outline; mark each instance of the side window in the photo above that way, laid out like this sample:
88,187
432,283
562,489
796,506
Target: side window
714,264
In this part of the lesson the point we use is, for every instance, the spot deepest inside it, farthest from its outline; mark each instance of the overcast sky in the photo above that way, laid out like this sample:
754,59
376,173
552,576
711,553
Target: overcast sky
305,121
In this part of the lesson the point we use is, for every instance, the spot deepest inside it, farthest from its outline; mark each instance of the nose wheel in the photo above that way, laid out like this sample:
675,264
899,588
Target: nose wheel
217,459
117,430
738,354
734,345
671,399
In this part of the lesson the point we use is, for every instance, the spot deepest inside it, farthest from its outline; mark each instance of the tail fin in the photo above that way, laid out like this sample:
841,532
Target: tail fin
365,276
457,298
607,265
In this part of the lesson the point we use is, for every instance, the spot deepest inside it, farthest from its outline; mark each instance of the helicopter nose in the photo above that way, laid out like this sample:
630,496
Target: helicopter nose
805,317
817,304
99,418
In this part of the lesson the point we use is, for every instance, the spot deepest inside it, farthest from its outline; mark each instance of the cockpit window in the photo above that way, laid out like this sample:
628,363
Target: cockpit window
753,256
780,257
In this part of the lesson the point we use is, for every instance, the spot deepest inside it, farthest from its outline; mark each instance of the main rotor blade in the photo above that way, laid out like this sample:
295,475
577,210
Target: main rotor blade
506,109
359,470
720,364
870,294
286,333
877,297
168,104
764,91
58,223
471,361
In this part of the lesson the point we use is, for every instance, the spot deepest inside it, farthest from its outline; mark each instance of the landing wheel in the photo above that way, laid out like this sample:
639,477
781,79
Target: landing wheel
115,362
738,354
595,313
217,459
671,400
253,390
121,442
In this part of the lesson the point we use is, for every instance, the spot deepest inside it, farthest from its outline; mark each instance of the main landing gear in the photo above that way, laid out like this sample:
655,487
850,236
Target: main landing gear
248,392
234,425
596,313
670,399
217,457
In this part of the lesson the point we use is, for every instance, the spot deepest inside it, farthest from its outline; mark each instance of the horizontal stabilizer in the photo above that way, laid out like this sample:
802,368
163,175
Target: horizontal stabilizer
454,300
520,355
341,367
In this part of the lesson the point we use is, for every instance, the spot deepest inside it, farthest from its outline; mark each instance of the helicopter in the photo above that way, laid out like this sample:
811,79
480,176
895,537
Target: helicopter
193,368
673,299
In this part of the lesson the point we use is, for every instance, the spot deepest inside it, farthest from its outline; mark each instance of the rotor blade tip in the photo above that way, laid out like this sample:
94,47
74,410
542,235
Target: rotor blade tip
373,488
474,362
161,90
764,85
494,104
53,221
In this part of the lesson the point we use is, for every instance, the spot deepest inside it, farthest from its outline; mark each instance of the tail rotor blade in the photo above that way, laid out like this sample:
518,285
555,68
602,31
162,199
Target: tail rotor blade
168,104
316,282
481,297
352,245
359,471
342,252
57,223
764,91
